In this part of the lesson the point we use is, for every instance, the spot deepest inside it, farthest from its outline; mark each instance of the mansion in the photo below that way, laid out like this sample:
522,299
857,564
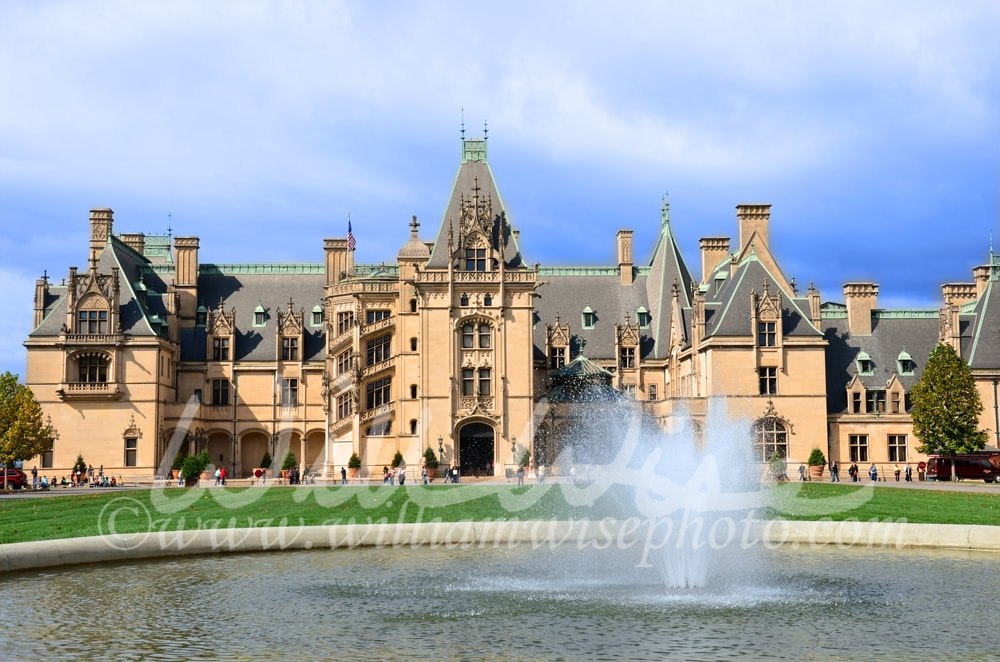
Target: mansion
460,346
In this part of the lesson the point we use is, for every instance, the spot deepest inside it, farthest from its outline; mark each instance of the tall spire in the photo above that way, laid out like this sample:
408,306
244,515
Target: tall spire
665,209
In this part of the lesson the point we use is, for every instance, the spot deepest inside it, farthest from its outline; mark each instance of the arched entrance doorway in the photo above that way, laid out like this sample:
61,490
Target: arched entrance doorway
475,450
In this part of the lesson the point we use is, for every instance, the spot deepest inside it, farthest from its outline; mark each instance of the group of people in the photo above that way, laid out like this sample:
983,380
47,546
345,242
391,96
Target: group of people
906,472
394,475
77,479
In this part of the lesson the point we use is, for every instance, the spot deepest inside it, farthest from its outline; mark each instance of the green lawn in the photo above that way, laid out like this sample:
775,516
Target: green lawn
173,509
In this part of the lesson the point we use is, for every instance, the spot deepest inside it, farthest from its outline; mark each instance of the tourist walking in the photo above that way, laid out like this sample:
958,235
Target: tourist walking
402,475
802,472
520,476
834,472
343,476
423,474
540,474
908,473
895,471
873,472
853,472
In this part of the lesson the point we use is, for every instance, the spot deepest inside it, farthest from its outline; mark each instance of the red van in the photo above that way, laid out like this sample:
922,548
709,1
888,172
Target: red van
968,466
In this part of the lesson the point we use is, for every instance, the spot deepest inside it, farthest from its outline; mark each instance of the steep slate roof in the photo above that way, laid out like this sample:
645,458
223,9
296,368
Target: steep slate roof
473,171
142,311
566,291
666,267
893,332
981,347
244,287
730,305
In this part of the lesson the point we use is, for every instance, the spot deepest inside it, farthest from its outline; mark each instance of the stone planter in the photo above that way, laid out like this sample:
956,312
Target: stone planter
816,472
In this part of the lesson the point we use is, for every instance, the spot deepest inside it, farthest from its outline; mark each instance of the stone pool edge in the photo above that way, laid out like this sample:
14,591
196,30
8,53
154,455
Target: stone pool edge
622,534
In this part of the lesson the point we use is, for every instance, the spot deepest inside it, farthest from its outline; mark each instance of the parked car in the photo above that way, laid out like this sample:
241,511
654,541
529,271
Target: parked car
16,478
969,466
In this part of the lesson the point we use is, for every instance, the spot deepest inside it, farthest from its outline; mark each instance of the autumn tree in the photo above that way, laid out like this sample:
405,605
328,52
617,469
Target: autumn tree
946,406
23,434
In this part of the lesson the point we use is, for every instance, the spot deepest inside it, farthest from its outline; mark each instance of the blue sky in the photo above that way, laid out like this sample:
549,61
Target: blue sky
873,128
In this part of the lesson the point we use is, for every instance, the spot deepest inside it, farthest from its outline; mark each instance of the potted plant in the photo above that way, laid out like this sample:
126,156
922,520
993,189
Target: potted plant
175,468
777,467
397,459
265,463
431,462
816,462
287,464
354,466
79,470
525,458
193,466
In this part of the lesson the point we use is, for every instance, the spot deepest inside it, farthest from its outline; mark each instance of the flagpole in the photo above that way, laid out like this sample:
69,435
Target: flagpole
351,244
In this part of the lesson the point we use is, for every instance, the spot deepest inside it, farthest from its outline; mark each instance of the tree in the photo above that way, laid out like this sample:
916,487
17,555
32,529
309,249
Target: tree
946,407
23,434
430,458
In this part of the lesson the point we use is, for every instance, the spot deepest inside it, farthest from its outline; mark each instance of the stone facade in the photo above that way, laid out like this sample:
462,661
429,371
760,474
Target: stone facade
454,347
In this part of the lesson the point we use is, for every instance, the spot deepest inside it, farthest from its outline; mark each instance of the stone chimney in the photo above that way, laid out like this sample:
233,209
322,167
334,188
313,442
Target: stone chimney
959,293
136,241
186,278
753,218
625,257
861,300
336,254
41,294
101,221
713,251
981,276
815,307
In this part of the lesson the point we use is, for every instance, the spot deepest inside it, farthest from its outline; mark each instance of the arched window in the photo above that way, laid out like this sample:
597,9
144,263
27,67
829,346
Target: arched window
770,438
413,305
413,344
93,368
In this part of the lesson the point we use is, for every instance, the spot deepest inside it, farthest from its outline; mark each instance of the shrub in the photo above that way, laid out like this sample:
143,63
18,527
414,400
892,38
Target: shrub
397,459
816,458
289,461
354,462
265,462
194,465
430,458
525,458
80,465
178,461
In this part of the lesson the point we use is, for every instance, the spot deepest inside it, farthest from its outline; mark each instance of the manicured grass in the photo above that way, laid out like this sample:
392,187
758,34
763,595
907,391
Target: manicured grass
849,501
90,514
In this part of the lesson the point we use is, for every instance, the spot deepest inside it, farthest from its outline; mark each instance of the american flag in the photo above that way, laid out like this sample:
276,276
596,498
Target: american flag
351,243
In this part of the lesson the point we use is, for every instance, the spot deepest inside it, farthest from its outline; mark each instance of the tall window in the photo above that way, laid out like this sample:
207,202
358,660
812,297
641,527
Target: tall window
475,259
766,335
468,336
627,358
858,444
487,300
897,448
345,321
376,315
93,322
652,392
875,402
93,369
484,381
378,349
344,361
220,349
770,438
131,451
378,393
220,392
463,300
413,344
484,336
468,382
413,391
768,378
289,349
47,454
289,392
856,402
345,405
895,403
558,358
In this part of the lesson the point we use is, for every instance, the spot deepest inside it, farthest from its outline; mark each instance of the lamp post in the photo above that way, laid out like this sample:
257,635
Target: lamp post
513,449
441,448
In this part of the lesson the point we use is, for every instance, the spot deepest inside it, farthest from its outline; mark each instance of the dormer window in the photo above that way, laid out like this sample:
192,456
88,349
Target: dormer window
589,318
317,315
259,316
905,366
767,334
93,322
642,316
865,365
201,316
475,259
